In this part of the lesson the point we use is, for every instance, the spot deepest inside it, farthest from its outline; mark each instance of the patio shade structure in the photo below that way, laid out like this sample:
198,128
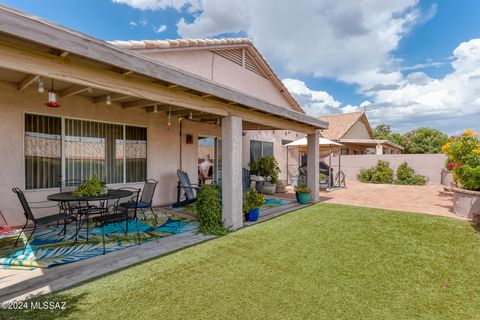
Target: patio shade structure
99,81
302,143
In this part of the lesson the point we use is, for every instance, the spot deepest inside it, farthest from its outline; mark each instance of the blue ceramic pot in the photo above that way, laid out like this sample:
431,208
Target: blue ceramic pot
252,215
304,198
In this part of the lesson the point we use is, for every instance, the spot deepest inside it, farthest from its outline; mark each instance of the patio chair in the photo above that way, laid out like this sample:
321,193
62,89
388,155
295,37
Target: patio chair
187,187
146,198
71,185
246,179
119,212
27,211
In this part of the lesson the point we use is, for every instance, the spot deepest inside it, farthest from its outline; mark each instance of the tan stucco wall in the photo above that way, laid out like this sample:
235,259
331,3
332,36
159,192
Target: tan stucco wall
163,149
358,131
214,67
279,151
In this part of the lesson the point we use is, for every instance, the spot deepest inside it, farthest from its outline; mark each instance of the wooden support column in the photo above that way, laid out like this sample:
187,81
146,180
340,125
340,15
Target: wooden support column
232,192
313,167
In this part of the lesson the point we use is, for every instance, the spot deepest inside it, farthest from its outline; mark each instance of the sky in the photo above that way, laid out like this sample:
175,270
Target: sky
407,63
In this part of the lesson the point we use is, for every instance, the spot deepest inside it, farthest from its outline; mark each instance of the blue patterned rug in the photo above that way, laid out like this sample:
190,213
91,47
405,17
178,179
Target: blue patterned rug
50,247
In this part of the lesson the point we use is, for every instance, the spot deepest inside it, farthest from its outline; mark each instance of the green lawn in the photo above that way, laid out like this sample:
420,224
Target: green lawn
323,262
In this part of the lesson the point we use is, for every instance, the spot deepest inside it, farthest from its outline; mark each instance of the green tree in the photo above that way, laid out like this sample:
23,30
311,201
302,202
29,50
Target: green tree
384,132
424,140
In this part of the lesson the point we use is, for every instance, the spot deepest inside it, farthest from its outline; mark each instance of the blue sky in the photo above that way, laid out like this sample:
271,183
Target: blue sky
394,59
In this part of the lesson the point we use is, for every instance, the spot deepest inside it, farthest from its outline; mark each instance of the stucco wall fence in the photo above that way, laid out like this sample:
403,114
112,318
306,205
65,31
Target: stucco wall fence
429,165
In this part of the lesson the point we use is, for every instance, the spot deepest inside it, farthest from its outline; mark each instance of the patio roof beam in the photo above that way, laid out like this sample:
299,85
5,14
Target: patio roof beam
30,61
72,90
138,103
25,82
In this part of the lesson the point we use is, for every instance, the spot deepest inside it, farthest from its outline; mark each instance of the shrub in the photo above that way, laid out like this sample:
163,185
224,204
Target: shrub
463,154
302,188
252,200
266,167
209,211
380,173
323,177
406,175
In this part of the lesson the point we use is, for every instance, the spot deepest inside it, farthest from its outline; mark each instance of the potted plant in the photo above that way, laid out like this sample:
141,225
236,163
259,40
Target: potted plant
303,193
91,188
280,187
252,200
463,154
323,181
266,167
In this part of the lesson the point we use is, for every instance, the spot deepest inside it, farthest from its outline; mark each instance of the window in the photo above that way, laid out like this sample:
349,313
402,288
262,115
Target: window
344,151
260,149
284,142
115,153
43,151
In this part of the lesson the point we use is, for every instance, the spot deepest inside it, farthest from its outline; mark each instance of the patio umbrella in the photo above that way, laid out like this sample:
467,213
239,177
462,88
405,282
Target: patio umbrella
321,142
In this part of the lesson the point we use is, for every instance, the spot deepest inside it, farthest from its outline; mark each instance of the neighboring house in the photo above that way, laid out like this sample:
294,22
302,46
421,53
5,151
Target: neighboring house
131,111
354,132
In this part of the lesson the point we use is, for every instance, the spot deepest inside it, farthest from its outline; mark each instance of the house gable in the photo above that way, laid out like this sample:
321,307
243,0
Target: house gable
359,130
235,63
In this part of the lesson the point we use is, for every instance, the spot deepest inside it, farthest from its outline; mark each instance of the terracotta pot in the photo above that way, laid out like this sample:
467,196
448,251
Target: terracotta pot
466,203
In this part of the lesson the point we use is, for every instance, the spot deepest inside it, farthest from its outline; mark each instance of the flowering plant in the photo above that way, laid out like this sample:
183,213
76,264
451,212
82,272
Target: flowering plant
463,157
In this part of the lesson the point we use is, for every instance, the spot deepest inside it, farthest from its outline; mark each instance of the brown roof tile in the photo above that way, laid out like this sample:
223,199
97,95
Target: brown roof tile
339,124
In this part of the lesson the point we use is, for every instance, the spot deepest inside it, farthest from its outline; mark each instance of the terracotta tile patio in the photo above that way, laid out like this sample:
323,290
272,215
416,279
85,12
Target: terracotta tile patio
422,199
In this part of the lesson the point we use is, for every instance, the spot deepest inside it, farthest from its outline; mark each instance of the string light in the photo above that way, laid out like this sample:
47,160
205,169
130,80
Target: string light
190,116
41,84
90,90
155,108
218,121
169,117
109,99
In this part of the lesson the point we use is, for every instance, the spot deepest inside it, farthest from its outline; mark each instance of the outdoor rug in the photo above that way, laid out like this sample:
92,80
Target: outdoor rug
50,247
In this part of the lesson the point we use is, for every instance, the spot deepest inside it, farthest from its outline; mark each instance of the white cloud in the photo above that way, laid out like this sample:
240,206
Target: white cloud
160,29
133,24
315,103
159,4
430,101
349,41
143,22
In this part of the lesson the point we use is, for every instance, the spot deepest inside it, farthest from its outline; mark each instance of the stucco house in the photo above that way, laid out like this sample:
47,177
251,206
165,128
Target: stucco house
354,132
131,110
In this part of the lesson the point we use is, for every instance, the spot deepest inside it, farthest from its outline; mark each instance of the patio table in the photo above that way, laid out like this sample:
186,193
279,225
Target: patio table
63,198
69,197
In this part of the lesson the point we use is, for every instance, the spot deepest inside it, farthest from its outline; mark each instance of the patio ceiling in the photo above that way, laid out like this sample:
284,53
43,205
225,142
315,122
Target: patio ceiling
30,46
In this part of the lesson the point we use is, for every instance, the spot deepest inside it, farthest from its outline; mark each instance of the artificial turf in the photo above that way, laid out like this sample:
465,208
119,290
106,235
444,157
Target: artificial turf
322,262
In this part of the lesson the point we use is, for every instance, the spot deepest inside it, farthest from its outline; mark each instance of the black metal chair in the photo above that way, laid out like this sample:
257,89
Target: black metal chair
74,207
119,211
190,190
27,211
246,182
146,198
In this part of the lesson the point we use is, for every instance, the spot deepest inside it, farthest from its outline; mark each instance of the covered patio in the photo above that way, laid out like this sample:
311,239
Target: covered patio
143,117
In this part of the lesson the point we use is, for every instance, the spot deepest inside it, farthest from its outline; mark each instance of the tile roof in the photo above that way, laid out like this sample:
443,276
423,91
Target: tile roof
341,123
178,43
214,43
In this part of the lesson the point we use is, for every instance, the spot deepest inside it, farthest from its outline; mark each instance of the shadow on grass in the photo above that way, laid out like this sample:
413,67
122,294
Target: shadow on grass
46,307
